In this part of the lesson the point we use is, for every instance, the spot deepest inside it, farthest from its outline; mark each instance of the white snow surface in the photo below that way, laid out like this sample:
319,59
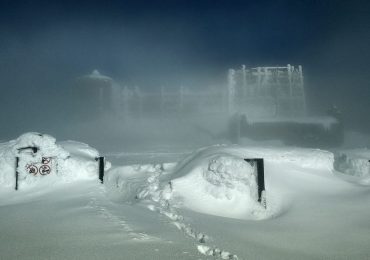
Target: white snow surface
302,193
183,210
354,163
216,180
221,185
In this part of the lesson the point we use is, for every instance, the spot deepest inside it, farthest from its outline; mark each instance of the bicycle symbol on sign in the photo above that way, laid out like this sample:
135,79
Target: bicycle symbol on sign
45,169
31,169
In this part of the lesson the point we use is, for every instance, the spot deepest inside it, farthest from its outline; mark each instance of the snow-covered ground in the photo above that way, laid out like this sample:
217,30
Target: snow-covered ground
175,203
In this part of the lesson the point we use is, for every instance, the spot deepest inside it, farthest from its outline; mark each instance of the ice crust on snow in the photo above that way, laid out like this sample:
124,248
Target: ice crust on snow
70,160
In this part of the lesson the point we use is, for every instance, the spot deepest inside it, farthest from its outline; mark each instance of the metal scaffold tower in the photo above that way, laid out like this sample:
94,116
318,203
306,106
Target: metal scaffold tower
267,91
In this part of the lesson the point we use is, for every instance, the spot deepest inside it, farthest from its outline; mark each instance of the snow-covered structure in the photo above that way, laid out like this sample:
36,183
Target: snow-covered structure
40,158
267,91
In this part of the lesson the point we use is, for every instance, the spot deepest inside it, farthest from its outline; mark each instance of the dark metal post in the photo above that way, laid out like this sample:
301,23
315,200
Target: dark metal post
101,168
260,176
16,172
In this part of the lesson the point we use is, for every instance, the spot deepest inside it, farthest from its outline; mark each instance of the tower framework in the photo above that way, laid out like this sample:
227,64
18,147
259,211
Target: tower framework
267,91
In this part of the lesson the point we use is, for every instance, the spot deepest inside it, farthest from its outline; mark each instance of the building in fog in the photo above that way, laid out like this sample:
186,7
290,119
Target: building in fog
96,94
267,91
262,92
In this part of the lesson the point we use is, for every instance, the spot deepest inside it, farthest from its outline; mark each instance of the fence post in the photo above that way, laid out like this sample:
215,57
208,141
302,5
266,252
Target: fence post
101,168
16,172
260,178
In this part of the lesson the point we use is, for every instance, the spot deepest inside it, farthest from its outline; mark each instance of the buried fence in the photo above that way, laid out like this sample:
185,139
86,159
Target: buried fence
258,164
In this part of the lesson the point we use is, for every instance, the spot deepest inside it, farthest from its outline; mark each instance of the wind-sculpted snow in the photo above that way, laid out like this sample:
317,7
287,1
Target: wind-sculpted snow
214,181
302,157
354,163
221,185
69,160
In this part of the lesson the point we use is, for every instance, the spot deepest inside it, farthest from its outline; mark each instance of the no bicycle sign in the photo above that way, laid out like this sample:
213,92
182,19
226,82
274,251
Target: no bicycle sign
43,168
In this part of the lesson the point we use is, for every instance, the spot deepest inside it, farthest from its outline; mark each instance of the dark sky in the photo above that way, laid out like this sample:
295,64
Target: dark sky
46,44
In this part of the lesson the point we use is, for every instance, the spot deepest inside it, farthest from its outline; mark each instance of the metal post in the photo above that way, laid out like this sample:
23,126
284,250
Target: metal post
16,172
101,168
260,177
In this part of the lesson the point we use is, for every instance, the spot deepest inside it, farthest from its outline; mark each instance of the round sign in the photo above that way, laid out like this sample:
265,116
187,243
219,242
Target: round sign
32,169
45,160
44,169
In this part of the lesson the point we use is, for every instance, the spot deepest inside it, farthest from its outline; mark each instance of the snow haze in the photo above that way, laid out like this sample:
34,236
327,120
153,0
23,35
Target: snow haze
45,47
182,99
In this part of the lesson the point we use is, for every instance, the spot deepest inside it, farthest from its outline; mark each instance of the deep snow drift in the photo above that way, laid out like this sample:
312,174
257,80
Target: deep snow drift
215,180
202,207
40,155
302,192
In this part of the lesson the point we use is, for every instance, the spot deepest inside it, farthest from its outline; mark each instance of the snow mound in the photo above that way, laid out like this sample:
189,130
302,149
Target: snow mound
45,144
228,171
222,185
355,163
215,180
300,157
42,159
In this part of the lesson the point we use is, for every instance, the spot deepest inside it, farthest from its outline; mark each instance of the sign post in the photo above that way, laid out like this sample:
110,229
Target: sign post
16,172
101,161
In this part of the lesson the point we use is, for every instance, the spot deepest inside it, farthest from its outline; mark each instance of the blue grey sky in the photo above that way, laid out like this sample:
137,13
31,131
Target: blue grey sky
46,44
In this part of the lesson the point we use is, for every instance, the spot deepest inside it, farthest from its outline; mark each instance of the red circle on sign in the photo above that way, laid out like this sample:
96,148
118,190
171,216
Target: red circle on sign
44,169
45,160
32,169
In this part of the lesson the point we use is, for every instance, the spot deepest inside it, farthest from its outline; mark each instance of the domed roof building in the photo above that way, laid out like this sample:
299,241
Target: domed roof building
96,94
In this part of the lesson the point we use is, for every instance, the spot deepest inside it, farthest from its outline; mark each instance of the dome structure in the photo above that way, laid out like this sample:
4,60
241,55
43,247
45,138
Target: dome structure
95,75
94,94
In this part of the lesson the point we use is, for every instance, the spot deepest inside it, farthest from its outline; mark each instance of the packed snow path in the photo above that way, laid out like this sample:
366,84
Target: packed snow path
77,221
161,204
